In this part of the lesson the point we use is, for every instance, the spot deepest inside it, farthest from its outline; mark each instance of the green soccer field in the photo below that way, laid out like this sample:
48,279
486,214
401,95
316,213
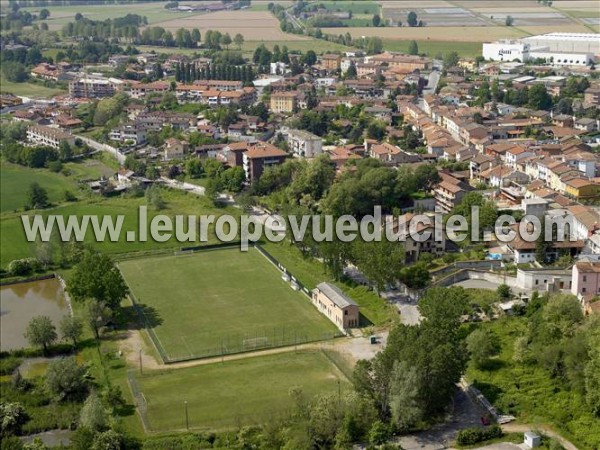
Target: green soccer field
219,302
247,391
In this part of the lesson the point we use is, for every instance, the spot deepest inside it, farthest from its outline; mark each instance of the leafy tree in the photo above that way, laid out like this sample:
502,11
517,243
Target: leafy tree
451,59
108,440
351,73
539,98
376,20
97,315
194,168
310,58
196,35
96,277
65,151
226,40
238,40
379,261
504,292
41,332
71,328
509,21
416,276
12,418
37,197
44,14
413,48
482,345
374,45
93,416
412,19
65,379
405,405
592,373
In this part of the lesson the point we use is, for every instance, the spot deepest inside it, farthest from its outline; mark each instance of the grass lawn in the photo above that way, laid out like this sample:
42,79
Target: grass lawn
14,244
529,392
242,392
311,272
432,48
221,301
28,89
15,181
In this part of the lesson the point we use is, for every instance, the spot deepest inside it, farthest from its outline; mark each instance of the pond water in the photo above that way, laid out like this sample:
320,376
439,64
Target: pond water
19,303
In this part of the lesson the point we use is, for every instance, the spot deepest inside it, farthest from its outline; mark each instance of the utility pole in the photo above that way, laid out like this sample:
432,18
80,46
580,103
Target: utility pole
187,420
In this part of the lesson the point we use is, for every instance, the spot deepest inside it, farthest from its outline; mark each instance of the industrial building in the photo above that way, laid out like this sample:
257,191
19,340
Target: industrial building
560,49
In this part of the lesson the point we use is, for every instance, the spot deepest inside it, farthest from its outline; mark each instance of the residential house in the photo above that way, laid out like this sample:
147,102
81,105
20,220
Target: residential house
174,149
586,278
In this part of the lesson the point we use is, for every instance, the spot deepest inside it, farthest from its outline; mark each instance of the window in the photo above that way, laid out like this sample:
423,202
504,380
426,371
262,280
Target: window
537,282
346,312
584,278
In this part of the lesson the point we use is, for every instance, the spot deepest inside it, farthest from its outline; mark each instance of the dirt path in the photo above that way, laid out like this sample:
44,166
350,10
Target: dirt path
521,428
135,346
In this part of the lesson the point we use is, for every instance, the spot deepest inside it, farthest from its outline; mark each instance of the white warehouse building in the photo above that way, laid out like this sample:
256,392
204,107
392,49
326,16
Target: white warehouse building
561,49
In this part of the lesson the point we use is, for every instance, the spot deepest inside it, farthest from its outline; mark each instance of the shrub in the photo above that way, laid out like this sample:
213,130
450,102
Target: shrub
470,436
9,365
20,267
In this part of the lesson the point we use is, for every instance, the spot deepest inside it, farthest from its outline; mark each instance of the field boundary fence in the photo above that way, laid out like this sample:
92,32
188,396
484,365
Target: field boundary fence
139,399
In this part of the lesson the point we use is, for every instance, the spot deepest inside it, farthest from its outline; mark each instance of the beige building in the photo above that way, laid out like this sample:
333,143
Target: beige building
337,306
284,102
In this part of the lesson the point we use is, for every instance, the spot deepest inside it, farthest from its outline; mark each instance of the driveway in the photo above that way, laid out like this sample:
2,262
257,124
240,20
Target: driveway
466,413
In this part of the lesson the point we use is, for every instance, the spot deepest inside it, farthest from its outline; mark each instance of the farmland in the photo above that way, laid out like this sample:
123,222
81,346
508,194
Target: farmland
253,25
241,392
202,310
458,34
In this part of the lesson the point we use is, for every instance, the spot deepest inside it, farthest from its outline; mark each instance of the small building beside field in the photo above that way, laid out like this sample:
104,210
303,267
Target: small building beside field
337,306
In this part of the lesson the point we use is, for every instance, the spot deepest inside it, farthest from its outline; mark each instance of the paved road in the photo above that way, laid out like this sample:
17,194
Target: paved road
103,148
432,82
187,187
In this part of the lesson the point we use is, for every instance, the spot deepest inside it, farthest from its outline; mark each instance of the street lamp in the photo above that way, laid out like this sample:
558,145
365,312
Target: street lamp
187,420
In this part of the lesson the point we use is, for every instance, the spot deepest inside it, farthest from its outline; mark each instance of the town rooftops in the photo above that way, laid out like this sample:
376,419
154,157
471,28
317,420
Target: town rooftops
335,294
588,266
264,150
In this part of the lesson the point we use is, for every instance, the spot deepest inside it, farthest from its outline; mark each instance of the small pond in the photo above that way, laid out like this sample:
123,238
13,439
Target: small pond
19,303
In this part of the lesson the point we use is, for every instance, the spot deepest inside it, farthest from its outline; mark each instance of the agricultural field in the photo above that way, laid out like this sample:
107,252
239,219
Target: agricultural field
435,48
61,15
450,34
355,7
253,25
221,301
242,392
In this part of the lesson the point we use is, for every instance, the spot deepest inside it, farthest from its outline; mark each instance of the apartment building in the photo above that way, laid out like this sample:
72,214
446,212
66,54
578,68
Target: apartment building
284,102
260,156
304,144
52,137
